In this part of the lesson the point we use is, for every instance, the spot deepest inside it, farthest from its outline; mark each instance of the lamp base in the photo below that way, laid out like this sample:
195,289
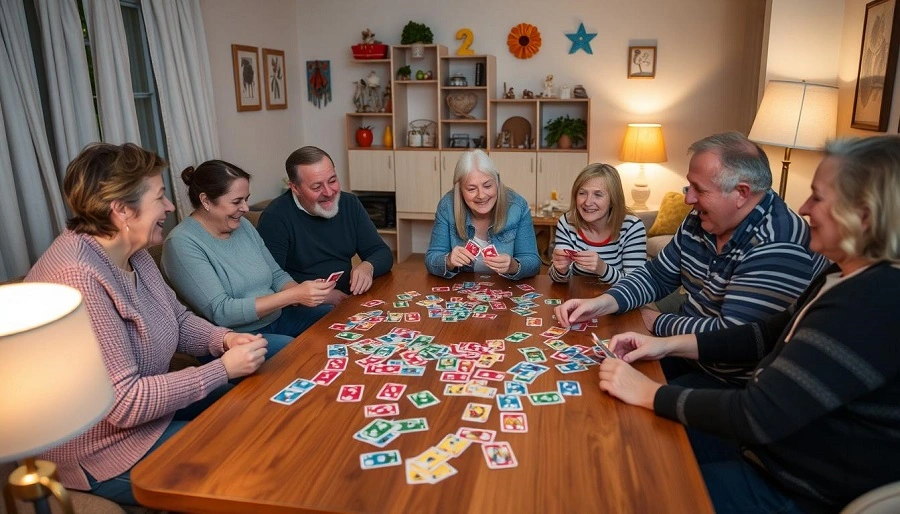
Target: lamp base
640,194
34,482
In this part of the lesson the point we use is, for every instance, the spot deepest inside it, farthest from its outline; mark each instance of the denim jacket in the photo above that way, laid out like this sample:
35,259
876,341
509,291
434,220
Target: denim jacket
516,238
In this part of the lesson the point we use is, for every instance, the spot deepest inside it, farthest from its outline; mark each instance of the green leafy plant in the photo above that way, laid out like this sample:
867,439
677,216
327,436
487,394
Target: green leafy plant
575,128
416,33
404,71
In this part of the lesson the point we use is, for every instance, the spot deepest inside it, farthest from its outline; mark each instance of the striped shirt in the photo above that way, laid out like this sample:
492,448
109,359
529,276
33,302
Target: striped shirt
622,256
761,270
139,327
821,413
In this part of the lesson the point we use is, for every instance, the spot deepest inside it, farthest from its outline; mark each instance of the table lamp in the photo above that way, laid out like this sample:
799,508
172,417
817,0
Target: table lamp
53,383
795,115
643,143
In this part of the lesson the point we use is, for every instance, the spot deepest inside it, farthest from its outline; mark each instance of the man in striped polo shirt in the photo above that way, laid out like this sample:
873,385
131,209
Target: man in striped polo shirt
741,254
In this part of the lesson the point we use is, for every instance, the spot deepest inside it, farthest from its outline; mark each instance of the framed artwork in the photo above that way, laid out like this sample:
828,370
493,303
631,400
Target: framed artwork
275,78
641,62
245,60
877,66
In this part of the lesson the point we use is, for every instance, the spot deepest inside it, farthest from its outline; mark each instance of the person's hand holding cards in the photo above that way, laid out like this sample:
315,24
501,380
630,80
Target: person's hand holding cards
312,293
500,262
461,256
563,258
589,261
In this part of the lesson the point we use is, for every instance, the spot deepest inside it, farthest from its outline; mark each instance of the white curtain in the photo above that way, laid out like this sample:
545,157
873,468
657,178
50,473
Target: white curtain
184,81
31,207
74,123
112,72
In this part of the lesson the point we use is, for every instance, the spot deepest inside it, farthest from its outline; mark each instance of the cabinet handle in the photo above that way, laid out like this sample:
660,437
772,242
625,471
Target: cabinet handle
435,163
390,162
531,170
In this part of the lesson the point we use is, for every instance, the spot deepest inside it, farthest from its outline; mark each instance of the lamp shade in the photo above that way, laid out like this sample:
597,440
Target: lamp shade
53,380
643,143
796,115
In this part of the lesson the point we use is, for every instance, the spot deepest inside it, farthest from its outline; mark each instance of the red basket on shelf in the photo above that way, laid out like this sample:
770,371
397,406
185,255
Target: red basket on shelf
364,51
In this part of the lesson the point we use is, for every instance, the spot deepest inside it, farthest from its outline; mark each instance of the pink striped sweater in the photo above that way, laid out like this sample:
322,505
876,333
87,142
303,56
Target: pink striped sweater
139,329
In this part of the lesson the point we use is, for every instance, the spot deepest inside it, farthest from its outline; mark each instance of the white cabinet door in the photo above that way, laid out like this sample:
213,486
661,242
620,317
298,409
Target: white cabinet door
418,180
557,172
517,171
448,167
371,170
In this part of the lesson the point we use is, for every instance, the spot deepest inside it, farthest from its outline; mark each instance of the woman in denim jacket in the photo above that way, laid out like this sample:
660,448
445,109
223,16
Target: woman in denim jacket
481,210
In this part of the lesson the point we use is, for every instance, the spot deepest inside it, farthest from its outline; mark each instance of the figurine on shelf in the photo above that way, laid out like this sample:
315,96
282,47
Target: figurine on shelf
527,94
505,139
548,87
579,91
510,94
368,37
358,95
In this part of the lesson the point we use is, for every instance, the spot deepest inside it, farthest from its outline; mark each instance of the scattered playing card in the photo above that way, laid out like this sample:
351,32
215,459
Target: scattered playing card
477,412
423,399
533,322
326,377
391,391
350,393
334,277
568,387
509,402
473,248
381,409
479,435
380,459
548,398
516,422
405,426
490,251
499,455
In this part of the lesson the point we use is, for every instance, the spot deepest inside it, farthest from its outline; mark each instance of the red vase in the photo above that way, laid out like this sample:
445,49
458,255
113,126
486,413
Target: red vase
364,137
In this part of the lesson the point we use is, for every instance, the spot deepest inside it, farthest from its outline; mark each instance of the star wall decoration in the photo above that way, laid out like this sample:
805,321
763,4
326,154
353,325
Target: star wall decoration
581,40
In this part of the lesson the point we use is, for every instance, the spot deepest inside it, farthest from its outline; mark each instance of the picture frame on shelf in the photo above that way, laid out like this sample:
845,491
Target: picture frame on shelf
641,62
877,66
275,76
245,61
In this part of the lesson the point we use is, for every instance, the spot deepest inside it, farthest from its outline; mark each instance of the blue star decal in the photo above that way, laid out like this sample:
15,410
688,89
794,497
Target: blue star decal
581,40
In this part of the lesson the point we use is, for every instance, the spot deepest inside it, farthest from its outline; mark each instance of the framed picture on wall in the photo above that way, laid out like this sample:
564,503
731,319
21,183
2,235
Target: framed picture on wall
245,60
877,66
275,78
641,62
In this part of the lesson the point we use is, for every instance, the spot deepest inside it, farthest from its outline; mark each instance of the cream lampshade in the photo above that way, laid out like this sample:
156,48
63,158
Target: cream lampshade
795,115
53,381
643,143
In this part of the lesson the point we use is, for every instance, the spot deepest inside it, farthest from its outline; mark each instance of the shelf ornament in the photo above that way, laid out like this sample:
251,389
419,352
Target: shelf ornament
467,38
524,41
581,40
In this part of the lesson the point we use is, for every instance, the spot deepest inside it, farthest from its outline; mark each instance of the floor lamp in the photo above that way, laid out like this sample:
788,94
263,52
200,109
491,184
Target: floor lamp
795,115
53,383
643,143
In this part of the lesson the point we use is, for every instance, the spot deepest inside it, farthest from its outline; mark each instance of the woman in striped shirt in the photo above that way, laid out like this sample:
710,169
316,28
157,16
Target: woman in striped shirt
599,236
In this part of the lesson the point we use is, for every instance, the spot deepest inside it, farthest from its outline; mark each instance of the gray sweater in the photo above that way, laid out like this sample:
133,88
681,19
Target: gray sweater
222,278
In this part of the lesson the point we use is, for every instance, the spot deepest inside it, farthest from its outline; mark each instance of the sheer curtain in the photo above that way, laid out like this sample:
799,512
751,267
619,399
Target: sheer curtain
112,72
74,123
31,207
184,80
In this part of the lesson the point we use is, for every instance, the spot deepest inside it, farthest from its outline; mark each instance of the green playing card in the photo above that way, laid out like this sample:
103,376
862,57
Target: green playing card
423,399
401,304
349,336
552,301
548,398
405,426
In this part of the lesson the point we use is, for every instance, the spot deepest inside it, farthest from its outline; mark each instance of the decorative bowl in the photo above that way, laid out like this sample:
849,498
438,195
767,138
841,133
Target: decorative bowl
365,51
462,103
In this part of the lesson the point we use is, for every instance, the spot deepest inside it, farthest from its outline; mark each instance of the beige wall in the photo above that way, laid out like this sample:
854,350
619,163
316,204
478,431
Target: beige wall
257,141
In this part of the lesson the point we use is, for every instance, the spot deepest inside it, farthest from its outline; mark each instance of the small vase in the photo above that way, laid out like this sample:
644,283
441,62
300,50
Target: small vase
388,138
364,137
564,142
417,50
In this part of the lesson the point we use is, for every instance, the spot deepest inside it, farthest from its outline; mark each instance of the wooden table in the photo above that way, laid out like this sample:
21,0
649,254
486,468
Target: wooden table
592,454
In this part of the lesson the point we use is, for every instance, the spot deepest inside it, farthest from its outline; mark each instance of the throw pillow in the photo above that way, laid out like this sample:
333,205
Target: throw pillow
672,212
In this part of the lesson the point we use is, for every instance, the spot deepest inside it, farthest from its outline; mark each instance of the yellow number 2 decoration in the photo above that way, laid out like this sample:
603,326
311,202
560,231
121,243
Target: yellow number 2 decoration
467,39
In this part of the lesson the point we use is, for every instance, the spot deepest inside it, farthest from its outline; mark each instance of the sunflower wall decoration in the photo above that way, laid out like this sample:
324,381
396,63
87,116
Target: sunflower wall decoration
524,40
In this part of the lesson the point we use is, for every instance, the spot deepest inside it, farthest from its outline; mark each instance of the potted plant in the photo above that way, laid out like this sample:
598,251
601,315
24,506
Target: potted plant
404,73
418,35
565,132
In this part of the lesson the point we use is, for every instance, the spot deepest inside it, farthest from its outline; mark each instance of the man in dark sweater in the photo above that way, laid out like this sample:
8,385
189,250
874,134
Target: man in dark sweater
315,229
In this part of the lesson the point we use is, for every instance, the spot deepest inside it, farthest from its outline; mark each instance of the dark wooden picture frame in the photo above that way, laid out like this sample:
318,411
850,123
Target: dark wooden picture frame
245,60
641,62
877,66
275,75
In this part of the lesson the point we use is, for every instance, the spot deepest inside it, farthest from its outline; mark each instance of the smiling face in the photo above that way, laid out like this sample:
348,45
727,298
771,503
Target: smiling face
225,212
719,211
479,191
592,201
825,237
145,224
319,189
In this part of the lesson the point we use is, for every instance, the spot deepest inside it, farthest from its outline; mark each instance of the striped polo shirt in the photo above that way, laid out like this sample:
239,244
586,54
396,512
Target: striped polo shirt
621,256
760,271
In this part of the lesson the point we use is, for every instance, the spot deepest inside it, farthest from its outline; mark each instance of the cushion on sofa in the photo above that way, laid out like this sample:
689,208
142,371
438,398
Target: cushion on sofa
672,211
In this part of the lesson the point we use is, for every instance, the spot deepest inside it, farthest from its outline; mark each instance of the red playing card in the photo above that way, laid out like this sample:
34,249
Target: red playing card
334,277
453,376
336,364
499,455
465,366
350,393
487,374
570,253
411,317
382,369
473,248
382,409
326,377
515,422
490,251
391,391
